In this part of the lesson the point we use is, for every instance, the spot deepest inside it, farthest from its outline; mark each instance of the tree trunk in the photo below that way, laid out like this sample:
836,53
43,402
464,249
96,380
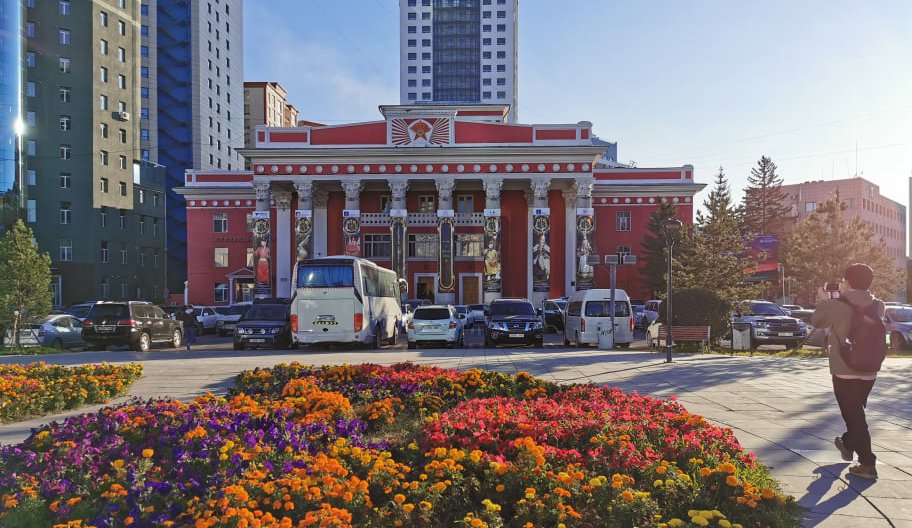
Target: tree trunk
14,337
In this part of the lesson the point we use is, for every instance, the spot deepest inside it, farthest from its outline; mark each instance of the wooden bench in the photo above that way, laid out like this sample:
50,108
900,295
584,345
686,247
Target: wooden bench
697,334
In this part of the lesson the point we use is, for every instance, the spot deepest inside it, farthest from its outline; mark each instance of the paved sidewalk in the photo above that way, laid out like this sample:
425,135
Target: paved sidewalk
782,409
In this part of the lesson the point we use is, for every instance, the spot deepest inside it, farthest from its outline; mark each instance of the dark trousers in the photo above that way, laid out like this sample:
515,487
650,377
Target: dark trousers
852,397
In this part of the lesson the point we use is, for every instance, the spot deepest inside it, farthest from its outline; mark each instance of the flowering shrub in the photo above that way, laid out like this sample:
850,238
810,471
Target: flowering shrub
36,389
389,446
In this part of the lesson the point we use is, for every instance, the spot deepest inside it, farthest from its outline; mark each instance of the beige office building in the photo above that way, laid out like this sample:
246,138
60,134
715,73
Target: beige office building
265,103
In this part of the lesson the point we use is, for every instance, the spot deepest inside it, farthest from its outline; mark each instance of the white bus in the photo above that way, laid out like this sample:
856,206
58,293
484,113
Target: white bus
345,300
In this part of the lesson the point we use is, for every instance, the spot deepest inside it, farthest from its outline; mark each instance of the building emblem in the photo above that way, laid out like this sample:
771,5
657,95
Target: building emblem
420,132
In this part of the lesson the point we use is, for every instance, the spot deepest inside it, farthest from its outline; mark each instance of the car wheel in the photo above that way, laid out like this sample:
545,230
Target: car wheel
753,342
176,338
623,345
412,345
144,343
539,343
238,346
57,344
897,341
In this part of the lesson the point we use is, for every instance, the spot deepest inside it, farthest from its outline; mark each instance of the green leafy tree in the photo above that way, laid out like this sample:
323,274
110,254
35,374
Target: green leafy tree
819,249
765,204
717,260
654,271
25,278
699,307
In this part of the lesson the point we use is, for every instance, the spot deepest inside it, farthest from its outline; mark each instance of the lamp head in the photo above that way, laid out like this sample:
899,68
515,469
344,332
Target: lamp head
671,227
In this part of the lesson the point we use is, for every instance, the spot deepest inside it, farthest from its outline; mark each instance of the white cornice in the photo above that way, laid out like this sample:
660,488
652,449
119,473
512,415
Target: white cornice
421,154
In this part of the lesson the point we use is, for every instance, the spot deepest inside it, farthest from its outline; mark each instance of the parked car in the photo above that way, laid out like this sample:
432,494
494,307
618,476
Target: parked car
650,312
639,316
229,316
462,310
589,309
59,331
898,321
513,321
476,315
415,303
80,310
770,324
207,317
798,312
553,313
136,324
264,324
435,323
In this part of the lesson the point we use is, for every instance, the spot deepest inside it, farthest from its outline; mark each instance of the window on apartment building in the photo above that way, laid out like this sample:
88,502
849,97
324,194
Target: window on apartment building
810,207
144,30
63,37
105,289
66,213
31,89
155,258
144,72
425,29
31,147
412,30
103,19
486,14
142,257
411,43
31,176
412,83
121,54
122,81
121,106
123,220
468,244
485,95
425,83
122,135
123,188
501,42
31,211
220,223
103,46
65,93
501,14
103,130
220,257
102,102
155,199
425,56
501,95
501,68
66,180
103,185
30,29
121,28
413,69
30,118
426,96
422,246
412,96
103,74
144,51
65,253
622,251
486,68
486,55
64,6
122,162
465,203
142,225
486,28
155,227
64,64
141,196
103,157
622,221
501,27
501,82
412,16
65,151
220,292
104,252
103,217
425,69
426,15
486,42
377,246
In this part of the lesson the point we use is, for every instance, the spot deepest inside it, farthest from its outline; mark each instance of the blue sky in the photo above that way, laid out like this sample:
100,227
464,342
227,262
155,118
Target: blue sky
707,83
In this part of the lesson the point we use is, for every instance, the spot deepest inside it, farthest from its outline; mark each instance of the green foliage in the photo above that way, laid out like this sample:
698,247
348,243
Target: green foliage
716,259
765,203
653,272
699,307
25,278
824,244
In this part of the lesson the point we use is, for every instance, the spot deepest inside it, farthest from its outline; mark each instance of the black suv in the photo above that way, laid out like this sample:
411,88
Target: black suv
513,321
135,324
770,324
265,323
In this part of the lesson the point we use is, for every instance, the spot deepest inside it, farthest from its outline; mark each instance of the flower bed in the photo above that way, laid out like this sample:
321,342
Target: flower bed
37,389
390,446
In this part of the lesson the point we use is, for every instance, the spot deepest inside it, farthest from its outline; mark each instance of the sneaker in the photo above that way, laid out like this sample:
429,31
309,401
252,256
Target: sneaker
843,450
863,471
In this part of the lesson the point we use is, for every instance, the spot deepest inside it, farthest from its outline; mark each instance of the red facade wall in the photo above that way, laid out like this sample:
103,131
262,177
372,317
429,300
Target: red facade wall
514,243
467,132
558,242
555,134
365,134
202,275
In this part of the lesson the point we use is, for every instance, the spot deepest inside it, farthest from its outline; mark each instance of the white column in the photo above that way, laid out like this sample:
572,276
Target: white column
569,240
303,222
540,187
351,215
583,187
399,228
492,187
320,197
263,266
282,243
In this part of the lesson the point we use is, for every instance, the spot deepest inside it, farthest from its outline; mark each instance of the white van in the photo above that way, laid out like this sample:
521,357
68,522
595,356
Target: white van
587,309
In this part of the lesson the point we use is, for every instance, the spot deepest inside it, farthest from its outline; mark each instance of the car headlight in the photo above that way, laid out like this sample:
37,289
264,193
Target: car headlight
494,326
761,324
276,330
537,324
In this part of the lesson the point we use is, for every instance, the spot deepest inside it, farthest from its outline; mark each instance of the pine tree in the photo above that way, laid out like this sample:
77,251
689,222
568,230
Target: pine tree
820,248
25,279
765,204
655,256
716,259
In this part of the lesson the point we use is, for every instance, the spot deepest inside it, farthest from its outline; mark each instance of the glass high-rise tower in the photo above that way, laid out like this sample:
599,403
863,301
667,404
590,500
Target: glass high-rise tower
12,189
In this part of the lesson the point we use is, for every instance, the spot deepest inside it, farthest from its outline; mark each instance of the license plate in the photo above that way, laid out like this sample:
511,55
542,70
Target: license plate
257,340
432,327
785,334
517,335
105,328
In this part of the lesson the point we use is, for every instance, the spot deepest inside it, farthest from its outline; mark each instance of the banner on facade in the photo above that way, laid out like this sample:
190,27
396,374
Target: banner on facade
492,260
351,232
541,250
399,244
446,231
303,233
585,228
262,254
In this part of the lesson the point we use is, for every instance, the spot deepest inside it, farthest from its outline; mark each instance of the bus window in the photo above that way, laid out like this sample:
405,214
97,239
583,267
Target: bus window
325,277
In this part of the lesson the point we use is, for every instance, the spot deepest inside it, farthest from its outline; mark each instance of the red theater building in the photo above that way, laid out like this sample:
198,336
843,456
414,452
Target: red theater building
464,205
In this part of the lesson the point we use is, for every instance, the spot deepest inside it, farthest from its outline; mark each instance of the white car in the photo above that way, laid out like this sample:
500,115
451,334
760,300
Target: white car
435,324
407,311
207,318
229,316
476,315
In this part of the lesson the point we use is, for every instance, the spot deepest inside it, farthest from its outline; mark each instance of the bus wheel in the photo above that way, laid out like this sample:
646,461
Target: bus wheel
377,343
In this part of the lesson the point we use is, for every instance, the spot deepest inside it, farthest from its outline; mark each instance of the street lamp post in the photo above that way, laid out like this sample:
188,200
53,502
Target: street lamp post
670,228
782,280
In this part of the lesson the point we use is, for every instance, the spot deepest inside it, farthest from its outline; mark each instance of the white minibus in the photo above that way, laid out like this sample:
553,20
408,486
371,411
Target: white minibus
345,300
587,309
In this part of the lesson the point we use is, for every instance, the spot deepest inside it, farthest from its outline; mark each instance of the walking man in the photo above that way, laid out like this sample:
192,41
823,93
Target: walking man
188,317
850,386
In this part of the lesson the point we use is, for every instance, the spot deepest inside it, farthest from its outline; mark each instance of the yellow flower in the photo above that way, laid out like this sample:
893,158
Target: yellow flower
724,524
408,507
147,453
675,523
399,498
425,505
658,483
700,521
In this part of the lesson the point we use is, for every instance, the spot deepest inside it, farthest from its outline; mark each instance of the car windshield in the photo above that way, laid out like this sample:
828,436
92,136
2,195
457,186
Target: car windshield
603,309
110,310
476,307
512,308
765,309
80,311
322,276
561,304
266,312
900,315
461,309
197,312
431,314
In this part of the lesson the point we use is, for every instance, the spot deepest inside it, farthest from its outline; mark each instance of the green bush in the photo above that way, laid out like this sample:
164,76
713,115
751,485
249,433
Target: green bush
699,307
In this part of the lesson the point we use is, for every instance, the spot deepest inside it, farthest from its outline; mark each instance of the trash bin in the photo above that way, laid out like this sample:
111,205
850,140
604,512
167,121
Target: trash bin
605,335
741,335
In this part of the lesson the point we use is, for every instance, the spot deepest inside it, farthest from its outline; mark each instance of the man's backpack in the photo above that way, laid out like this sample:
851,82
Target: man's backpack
865,348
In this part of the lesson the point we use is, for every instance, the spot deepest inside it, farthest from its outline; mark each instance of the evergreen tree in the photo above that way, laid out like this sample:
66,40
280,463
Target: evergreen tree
765,204
655,256
717,259
25,278
820,248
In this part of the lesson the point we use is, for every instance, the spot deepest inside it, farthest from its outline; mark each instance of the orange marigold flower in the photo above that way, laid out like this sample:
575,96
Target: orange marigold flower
732,480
